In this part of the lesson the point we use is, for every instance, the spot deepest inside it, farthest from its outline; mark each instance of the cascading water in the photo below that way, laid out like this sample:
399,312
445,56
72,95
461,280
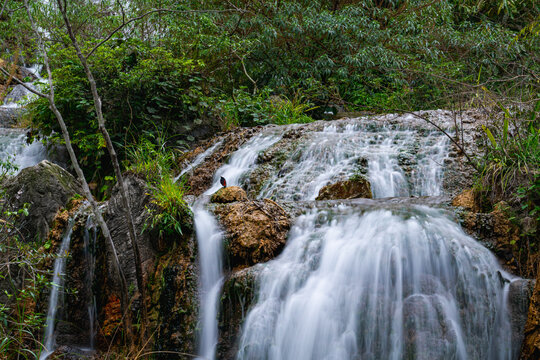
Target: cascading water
391,283
90,236
55,300
13,145
14,148
382,284
209,239
368,279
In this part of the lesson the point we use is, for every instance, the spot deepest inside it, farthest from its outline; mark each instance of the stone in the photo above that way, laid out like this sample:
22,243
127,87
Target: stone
238,293
357,187
256,230
467,199
228,195
531,342
46,187
519,295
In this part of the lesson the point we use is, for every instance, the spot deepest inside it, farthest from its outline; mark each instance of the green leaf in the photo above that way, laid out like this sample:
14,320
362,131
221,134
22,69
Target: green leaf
490,136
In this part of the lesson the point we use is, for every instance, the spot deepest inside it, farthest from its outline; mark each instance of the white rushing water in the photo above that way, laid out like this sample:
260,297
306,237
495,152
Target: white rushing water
55,298
209,240
14,148
340,151
199,159
393,282
406,284
389,283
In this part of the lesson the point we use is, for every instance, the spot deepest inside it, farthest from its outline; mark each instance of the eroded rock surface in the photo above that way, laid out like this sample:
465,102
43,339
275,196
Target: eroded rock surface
228,195
357,187
46,187
256,230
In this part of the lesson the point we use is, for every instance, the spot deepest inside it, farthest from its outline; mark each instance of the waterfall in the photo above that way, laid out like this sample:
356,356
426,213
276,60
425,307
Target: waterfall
90,236
55,299
393,282
14,148
210,239
383,284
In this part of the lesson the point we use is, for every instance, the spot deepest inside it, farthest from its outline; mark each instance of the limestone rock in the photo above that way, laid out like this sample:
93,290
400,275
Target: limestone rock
358,187
228,195
256,230
468,199
46,187
531,342
238,294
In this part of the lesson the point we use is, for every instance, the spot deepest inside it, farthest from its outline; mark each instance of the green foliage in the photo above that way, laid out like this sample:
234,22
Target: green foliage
156,164
22,282
263,108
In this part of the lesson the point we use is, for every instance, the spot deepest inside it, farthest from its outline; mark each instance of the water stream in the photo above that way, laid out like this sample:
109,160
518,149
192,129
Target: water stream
395,282
55,298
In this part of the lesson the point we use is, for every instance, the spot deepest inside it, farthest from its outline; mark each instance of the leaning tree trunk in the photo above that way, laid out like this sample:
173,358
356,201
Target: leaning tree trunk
116,166
80,175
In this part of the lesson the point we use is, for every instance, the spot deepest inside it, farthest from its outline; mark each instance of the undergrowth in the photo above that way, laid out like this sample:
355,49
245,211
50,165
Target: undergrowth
156,163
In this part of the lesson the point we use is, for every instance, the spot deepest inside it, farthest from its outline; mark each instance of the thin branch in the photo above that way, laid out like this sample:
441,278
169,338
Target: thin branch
24,85
124,23
3,8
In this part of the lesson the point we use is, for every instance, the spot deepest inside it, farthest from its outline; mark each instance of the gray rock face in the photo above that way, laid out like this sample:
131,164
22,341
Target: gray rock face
46,187
139,199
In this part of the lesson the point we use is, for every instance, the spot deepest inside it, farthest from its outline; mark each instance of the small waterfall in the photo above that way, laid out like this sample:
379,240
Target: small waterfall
90,236
400,284
340,151
209,239
14,148
55,299
243,160
199,159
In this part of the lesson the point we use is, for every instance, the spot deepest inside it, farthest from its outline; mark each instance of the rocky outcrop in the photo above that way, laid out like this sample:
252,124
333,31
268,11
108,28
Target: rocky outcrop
46,187
357,187
228,195
531,343
256,230
237,296
201,177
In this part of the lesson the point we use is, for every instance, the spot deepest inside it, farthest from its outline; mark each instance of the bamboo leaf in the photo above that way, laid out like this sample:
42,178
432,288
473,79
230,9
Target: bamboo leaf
490,136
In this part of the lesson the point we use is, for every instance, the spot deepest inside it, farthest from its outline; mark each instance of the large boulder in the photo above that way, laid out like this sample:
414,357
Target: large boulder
256,230
228,195
46,187
354,188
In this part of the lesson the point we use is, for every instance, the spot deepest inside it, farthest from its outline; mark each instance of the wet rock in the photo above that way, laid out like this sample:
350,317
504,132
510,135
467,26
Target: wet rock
497,232
357,187
201,177
9,116
228,195
140,201
519,295
468,199
237,296
66,352
531,343
47,188
174,304
256,230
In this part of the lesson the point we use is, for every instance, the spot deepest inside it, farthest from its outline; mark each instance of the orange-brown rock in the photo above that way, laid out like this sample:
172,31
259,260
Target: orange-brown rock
530,349
468,199
228,195
256,230
358,187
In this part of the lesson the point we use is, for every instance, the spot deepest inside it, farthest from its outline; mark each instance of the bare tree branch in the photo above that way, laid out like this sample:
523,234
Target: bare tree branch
3,7
78,170
40,94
